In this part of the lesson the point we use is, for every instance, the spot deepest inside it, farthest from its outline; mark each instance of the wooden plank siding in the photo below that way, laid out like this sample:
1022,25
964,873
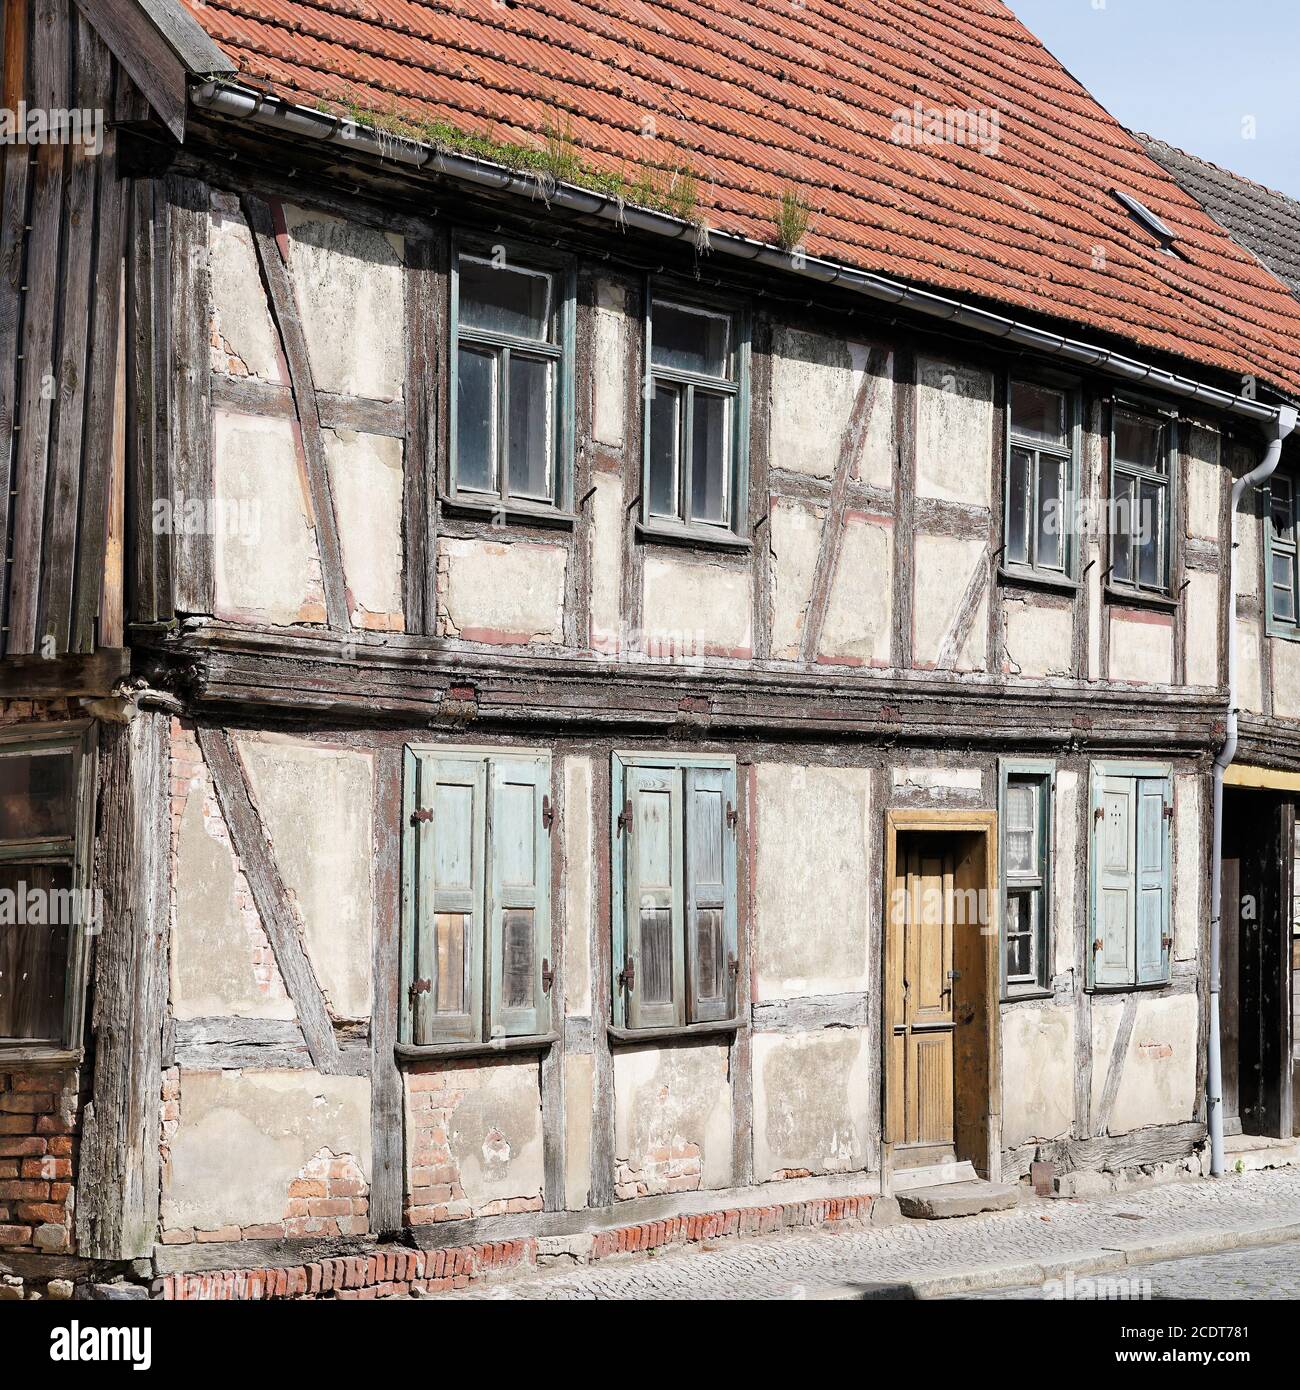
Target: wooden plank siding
61,228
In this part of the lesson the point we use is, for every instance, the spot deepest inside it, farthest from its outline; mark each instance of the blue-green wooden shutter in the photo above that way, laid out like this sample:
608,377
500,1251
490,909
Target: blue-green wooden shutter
653,898
519,903
444,898
710,799
1152,879
1115,851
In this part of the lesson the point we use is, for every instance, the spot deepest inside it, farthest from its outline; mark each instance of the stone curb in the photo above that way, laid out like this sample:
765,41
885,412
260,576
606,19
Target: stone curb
1104,1259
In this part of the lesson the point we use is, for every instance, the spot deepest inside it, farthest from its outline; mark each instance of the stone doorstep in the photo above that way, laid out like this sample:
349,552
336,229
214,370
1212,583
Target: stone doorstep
399,1270
1249,1153
957,1199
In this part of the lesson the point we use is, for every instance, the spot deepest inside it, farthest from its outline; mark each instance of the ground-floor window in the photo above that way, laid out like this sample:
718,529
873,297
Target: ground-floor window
46,907
1026,817
674,874
476,870
1130,940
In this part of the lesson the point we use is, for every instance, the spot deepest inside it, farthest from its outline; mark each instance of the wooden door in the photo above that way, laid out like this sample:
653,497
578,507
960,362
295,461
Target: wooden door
923,999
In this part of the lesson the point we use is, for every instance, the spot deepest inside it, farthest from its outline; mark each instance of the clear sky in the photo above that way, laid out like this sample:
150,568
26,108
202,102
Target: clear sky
1192,72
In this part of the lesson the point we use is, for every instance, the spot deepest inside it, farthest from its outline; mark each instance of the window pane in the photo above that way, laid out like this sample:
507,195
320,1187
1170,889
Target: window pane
655,974
1051,513
1151,539
1283,588
1140,441
517,975
504,299
36,795
690,340
476,420
1022,827
1022,931
34,953
1018,504
532,428
1123,524
665,412
710,457
1038,413
449,946
1283,510
708,948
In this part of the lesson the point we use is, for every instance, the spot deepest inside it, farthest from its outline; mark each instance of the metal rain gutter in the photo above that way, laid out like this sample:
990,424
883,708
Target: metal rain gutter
244,103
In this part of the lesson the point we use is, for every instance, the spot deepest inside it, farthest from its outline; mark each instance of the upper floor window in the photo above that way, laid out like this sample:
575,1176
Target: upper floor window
695,422
476,868
1280,557
1040,479
512,335
46,907
1141,483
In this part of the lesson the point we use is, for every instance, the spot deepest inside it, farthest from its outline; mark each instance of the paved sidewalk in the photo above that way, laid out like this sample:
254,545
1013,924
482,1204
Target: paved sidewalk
1042,1239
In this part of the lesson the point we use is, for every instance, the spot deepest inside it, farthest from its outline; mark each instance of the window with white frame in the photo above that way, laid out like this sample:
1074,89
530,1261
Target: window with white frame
694,417
1130,933
476,896
511,431
47,910
1040,479
1141,483
1026,872
674,871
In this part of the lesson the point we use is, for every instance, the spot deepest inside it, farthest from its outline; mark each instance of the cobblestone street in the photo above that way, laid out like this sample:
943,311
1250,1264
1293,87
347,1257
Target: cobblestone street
1012,1251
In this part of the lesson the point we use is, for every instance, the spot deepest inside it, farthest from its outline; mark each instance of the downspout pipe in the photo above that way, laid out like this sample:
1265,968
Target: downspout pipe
1284,424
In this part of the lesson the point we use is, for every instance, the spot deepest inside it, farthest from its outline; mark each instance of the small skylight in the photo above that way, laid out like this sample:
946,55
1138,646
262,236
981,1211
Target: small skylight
1147,218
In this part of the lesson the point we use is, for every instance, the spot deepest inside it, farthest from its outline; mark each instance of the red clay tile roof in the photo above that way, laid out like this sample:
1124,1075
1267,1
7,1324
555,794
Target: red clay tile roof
763,96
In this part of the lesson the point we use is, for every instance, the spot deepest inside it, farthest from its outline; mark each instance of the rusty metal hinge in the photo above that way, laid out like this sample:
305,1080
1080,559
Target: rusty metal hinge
1096,946
418,987
1166,942
627,976
732,816
548,813
548,976
733,965
1098,813
421,815
625,817
1169,811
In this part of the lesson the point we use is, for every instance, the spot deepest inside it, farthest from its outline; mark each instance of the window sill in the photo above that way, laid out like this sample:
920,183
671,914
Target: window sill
514,511
38,1055
1282,631
1016,995
720,1027
1129,988
423,1052
1033,579
1140,598
707,538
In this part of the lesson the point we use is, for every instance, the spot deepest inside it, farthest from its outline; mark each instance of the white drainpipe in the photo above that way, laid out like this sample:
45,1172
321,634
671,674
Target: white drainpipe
1284,424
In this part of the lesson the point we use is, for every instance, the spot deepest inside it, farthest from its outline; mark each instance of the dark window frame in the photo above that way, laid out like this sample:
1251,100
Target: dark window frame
1067,574
1167,480
1278,624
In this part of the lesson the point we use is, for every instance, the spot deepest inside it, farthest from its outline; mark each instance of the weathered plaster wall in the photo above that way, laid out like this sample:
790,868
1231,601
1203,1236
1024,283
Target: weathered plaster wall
244,1138
1190,868
609,365
267,567
578,1097
1141,647
1038,637
473,1139
1201,640
579,871
954,432
859,613
793,543
813,1103
945,569
351,296
316,802
607,636
244,340
1158,1082
1070,785
813,876
672,1119
695,608
1037,1073
365,476
508,592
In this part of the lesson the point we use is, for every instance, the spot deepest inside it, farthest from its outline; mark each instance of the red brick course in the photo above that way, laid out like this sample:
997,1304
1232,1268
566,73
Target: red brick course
39,1116
385,1273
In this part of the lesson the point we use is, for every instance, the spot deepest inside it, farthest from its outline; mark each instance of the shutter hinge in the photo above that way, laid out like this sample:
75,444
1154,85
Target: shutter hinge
1166,942
548,976
418,987
1098,813
625,817
732,816
422,815
548,813
627,976
1096,946
1169,811
733,965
